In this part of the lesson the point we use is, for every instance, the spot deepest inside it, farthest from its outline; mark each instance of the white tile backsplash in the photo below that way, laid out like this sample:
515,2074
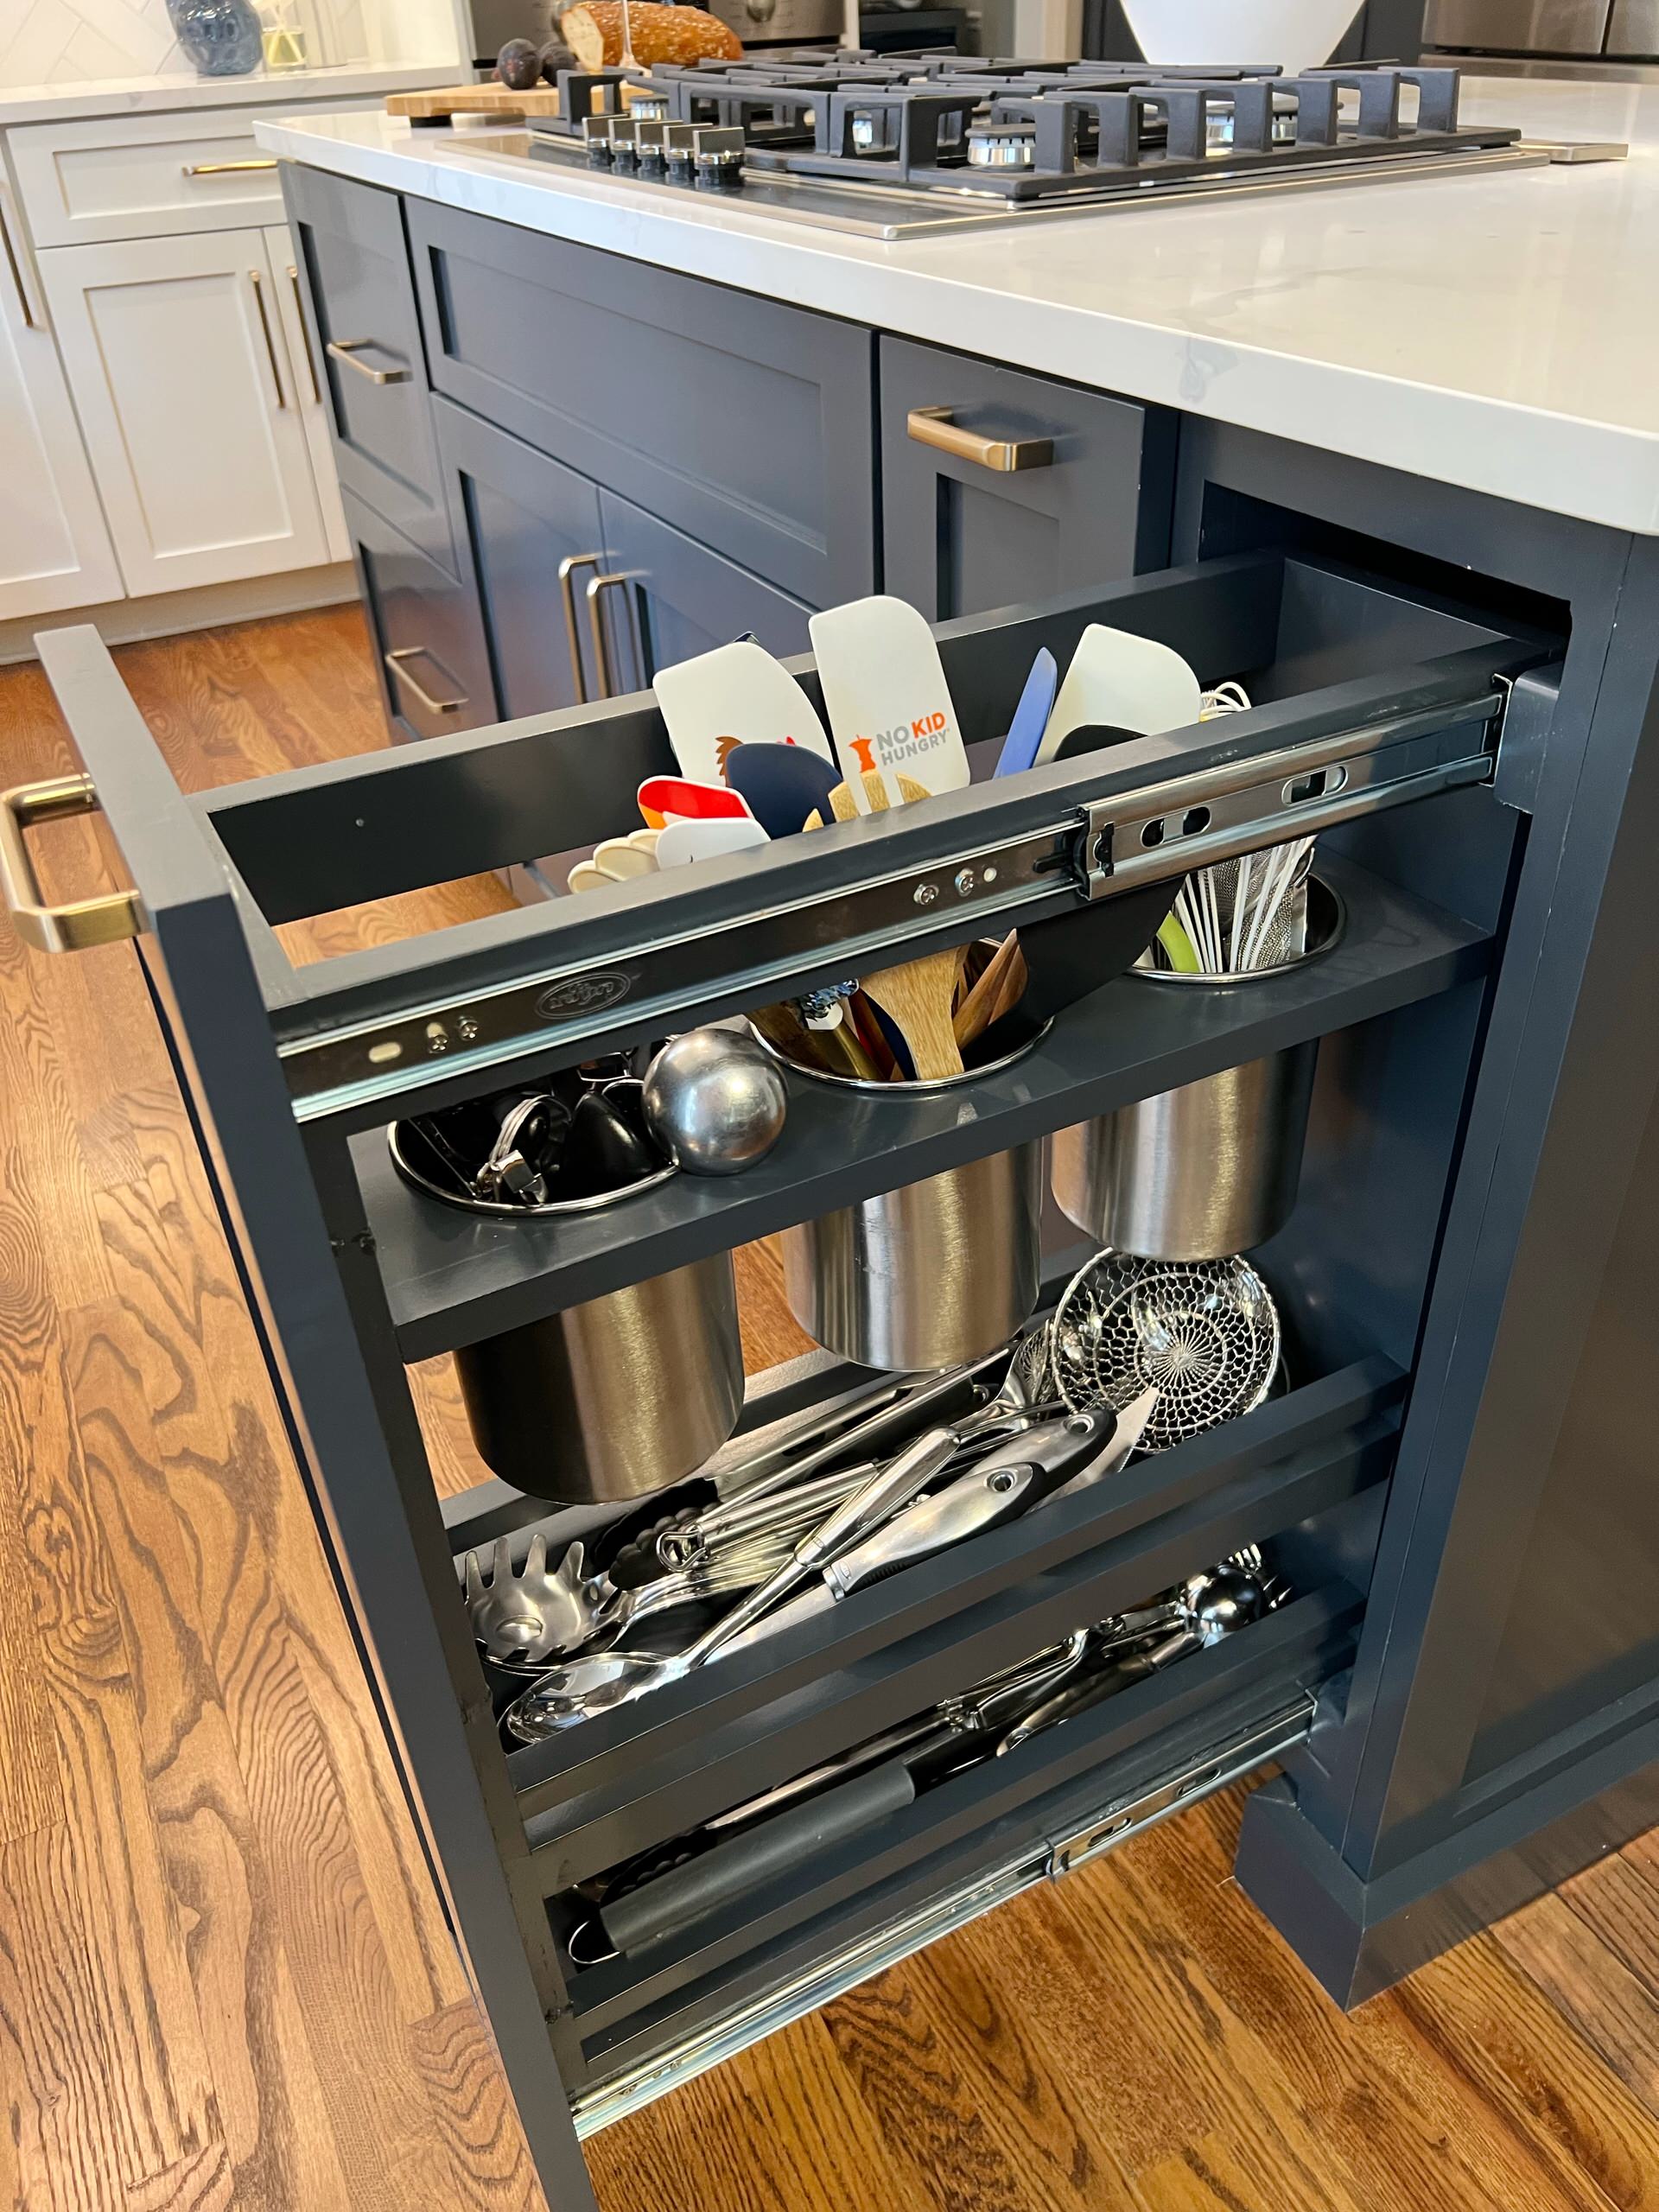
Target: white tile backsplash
73,41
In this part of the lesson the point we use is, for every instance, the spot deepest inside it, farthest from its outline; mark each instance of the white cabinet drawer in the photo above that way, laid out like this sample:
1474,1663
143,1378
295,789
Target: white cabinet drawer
146,175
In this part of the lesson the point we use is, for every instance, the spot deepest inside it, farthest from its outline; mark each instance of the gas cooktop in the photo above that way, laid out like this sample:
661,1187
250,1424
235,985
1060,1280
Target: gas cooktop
895,146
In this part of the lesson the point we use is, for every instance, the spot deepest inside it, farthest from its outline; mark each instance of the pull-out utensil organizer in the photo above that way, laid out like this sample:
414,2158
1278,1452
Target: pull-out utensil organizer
1370,699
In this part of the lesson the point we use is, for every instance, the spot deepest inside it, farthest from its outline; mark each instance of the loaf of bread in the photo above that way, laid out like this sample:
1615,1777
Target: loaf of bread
593,31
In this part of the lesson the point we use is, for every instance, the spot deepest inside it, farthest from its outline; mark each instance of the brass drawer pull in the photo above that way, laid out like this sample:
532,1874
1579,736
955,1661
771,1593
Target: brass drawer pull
226,169
935,426
305,335
346,349
568,568
83,922
271,343
397,661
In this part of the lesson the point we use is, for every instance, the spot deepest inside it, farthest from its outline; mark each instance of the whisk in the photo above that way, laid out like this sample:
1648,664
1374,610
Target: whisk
1245,914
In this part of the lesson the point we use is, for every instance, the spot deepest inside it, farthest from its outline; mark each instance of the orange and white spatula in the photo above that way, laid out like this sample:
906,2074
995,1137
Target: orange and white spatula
889,706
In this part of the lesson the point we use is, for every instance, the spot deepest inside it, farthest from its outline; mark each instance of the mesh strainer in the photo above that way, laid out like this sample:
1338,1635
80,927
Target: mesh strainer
1205,1333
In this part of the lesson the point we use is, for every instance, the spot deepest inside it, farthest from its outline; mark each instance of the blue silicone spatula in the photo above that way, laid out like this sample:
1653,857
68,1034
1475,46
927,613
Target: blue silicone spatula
1030,716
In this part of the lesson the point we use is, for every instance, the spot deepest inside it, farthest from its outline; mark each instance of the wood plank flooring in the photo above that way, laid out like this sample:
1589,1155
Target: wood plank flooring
224,1979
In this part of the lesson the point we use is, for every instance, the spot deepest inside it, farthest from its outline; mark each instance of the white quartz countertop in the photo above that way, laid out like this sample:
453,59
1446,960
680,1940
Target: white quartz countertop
1499,331
75,102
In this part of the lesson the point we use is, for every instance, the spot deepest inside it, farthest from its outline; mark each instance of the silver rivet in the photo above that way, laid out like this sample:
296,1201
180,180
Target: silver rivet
926,893
965,881
991,876
467,1027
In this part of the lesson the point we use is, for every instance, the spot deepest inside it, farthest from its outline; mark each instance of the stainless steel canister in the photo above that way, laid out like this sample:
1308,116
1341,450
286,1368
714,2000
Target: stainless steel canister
615,1398
1210,1169
1197,1173
935,1272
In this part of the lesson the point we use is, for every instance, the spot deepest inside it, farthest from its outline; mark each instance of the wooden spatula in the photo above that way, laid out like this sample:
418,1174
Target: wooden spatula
916,997
978,1010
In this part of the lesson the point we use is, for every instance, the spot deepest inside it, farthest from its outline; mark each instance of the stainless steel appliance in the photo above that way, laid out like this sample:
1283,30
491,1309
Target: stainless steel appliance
774,21
904,145
494,22
1577,30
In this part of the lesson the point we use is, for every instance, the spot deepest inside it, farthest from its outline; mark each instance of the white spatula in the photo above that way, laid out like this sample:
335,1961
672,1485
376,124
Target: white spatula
737,695
885,693
1126,682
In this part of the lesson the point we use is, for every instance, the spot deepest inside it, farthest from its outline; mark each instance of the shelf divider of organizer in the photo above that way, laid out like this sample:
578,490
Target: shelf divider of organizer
452,1278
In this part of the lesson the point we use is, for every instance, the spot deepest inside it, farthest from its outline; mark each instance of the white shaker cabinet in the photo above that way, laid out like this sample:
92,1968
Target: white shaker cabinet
193,409
54,549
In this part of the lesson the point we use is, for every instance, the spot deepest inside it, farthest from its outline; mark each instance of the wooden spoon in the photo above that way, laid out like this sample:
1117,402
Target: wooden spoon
916,996
974,1016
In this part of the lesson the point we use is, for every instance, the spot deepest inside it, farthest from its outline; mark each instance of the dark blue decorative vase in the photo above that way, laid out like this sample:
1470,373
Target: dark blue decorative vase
220,36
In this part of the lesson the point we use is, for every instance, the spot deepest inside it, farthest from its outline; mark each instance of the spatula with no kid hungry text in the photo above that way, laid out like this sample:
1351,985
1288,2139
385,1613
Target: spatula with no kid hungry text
888,705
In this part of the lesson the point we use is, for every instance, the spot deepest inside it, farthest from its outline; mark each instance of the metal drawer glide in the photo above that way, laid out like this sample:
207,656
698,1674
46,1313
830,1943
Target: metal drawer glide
1161,830
1229,1761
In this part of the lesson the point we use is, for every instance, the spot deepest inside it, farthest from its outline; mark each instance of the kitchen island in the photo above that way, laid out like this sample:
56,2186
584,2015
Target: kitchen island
1390,453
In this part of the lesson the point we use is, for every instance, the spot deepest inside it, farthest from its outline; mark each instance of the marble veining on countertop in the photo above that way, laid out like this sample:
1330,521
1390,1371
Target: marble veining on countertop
1499,331
79,102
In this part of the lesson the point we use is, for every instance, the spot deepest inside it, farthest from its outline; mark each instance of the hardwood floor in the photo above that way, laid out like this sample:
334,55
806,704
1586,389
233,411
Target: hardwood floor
224,1978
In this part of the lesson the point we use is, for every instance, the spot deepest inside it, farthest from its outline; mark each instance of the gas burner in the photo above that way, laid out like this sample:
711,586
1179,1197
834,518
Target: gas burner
964,138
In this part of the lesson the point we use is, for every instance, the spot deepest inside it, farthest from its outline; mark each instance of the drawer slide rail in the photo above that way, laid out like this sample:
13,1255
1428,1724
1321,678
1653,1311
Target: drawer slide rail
1048,1858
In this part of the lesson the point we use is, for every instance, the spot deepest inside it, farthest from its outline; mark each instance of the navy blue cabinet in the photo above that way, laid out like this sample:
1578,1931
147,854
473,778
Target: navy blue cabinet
999,488
663,598
525,519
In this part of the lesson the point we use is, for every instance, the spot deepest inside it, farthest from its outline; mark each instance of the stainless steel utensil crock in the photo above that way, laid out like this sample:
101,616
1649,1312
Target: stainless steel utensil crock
1210,1169
615,1398
926,1275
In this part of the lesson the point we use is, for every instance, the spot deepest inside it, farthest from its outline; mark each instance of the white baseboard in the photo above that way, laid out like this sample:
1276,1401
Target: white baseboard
163,615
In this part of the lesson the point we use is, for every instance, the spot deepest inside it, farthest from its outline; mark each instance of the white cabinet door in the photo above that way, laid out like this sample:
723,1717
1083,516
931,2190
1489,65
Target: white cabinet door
54,549
192,413
279,249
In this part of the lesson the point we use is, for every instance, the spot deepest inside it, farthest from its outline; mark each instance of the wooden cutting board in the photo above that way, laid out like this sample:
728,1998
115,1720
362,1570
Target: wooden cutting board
443,101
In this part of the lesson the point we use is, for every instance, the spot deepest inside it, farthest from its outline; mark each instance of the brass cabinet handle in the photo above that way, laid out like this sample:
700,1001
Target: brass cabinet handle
16,268
226,169
305,335
597,587
271,343
397,662
937,426
568,568
105,920
346,349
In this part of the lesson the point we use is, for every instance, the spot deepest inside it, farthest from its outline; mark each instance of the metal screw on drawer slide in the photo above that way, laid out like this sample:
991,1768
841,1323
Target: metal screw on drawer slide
347,350
224,169
937,426
397,661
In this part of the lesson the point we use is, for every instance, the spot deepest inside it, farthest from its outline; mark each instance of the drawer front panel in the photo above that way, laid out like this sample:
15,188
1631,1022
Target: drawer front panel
434,669
679,600
962,535
366,339
147,175
746,425
521,515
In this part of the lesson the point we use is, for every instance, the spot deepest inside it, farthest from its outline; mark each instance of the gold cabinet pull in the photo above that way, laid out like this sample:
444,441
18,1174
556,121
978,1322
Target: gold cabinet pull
397,661
346,349
16,268
226,169
937,427
72,928
305,335
271,343
598,586
568,568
